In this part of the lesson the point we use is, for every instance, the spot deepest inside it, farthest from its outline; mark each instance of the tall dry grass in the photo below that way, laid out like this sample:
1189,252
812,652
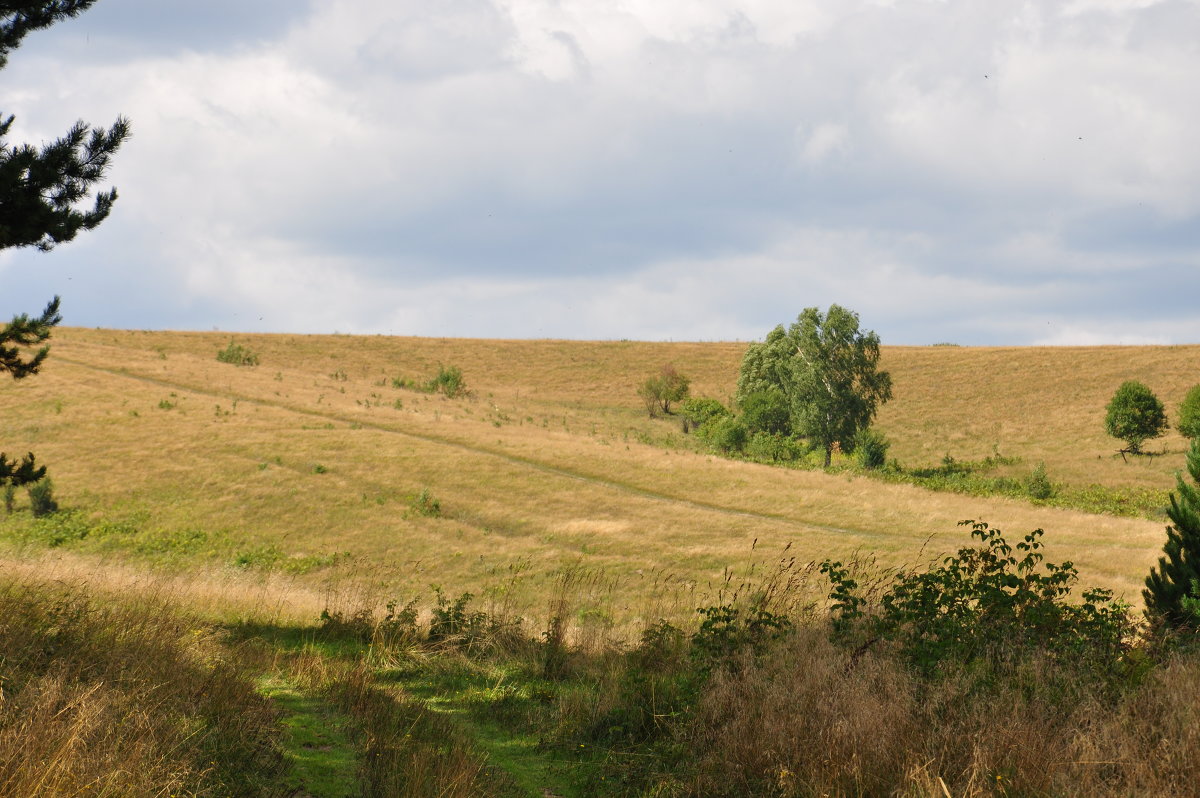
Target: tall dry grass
807,720
113,698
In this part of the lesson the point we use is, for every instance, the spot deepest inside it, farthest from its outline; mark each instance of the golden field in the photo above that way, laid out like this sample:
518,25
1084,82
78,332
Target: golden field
312,458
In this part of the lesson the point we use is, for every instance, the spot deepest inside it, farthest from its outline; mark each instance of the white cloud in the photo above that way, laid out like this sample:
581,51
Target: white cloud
657,169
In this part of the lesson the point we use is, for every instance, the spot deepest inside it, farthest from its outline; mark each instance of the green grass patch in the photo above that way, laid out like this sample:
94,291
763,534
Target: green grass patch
321,760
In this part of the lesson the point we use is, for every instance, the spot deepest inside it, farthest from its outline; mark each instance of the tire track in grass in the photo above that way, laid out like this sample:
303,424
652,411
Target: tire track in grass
527,462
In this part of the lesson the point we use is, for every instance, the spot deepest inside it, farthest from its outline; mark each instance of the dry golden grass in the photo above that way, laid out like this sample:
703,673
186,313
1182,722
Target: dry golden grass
805,722
550,462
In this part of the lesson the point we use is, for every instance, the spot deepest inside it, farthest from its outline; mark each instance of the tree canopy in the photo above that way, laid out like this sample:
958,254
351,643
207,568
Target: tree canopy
826,369
1135,415
40,194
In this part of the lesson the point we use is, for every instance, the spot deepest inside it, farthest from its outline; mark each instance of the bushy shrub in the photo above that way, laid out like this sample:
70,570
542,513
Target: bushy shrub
238,355
425,505
774,448
1189,414
871,448
1039,486
41,498
453,623
698,411
448,382
766,411
724,433
1135,415
985,604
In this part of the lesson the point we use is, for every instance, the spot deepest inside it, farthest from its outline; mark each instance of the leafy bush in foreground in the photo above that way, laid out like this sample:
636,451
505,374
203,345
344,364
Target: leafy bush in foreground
985,603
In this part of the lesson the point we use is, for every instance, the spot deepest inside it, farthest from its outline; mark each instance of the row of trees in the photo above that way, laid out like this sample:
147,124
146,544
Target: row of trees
40,192
1135,415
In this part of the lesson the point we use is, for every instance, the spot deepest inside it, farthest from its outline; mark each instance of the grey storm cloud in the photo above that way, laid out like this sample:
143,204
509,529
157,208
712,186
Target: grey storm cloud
969,171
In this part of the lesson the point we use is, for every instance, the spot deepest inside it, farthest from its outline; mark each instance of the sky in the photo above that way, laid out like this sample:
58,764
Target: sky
955,171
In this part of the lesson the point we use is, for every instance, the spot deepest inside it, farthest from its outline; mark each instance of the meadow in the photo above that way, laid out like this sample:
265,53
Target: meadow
312,519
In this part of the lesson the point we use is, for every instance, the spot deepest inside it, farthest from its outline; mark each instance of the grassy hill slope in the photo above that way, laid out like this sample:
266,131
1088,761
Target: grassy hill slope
309,463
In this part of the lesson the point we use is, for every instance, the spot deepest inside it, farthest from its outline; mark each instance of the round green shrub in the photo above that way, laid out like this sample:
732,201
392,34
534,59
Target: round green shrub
1189,414
767,411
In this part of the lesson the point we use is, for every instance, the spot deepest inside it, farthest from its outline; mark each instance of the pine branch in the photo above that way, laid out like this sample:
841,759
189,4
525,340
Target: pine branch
23,332
19,18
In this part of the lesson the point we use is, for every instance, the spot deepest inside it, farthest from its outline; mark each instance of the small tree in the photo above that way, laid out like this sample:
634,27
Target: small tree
1189,414
660,391
1135,415
1178,572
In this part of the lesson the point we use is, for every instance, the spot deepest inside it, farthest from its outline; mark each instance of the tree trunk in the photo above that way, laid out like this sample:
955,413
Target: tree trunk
828,454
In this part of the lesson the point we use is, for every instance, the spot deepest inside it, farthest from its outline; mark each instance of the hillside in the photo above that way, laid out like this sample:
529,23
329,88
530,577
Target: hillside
309,462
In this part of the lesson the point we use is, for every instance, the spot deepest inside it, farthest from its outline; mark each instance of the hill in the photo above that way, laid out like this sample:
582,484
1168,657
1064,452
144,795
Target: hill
312,462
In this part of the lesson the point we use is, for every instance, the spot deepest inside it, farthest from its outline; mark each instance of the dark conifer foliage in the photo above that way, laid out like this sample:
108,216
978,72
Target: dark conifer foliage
41,190
1178,574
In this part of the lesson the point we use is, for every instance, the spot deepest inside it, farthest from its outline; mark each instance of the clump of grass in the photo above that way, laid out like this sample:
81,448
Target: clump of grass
237,355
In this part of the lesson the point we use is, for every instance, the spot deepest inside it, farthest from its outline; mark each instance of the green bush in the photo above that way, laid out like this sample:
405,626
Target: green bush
985,605
1135,415
238,355
1189,414
423,504
448,381
451,621
774,448
1038,486
766,411
700,410
724,433
41,498
871,448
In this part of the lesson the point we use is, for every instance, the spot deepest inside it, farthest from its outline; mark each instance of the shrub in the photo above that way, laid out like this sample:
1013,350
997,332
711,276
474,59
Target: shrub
423,504
697,411
985,604
766,411
1038,486
449,382
1135,415
451,621
774,448
660,391
238,355
10,497
727,631
724,433
1189,414
41,498
871,448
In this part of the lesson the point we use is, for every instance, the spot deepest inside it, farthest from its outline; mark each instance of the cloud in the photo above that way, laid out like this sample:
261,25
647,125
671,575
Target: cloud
968,171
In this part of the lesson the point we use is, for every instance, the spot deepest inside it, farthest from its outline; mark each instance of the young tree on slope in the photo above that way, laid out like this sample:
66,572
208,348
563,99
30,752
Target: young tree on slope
40,190
1178,574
